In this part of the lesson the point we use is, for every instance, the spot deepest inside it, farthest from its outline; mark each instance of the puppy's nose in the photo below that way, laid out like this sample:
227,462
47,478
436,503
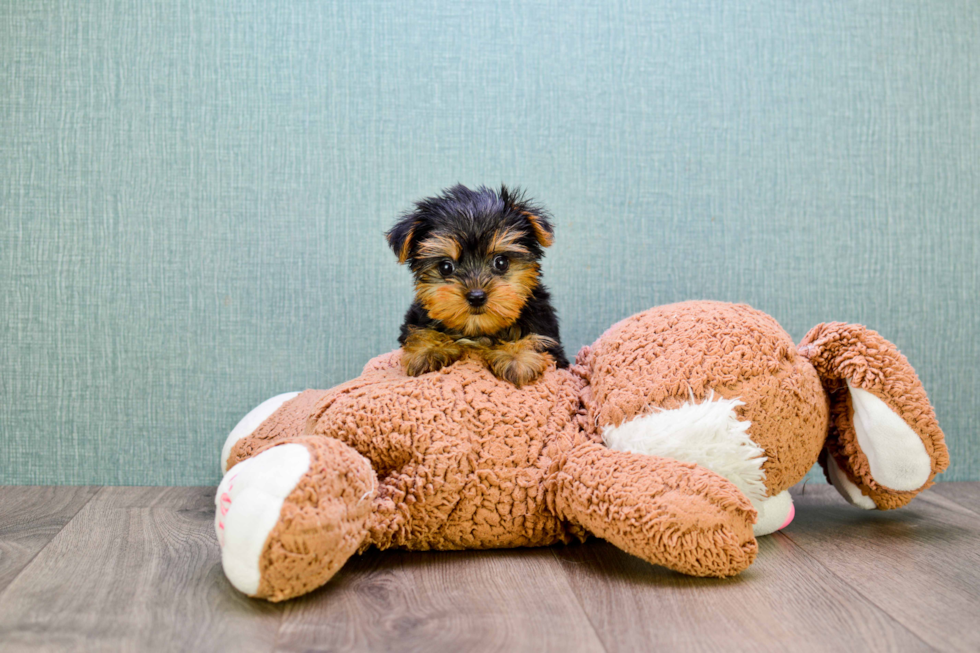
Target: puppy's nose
476,297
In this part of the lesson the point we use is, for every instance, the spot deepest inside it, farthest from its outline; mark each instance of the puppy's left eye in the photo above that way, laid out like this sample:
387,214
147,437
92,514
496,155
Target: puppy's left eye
446,268
501,263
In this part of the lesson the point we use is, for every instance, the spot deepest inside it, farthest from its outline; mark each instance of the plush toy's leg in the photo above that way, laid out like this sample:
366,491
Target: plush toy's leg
669,513
885,445
709,434
289,517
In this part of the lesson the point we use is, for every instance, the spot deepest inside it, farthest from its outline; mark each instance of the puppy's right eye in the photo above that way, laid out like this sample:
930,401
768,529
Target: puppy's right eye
446,268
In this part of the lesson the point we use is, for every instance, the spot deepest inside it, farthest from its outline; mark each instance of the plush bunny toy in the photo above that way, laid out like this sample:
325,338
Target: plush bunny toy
676,437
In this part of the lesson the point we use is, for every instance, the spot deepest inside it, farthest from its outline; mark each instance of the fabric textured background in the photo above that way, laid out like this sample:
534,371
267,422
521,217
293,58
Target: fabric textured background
193,193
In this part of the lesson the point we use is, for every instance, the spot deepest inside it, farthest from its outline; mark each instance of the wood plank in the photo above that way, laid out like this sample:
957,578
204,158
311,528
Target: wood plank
784,602
965,494
920,563
30,516
136,569
139,569
505,600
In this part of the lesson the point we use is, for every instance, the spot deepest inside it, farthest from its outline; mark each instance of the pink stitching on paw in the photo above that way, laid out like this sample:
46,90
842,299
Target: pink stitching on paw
223,507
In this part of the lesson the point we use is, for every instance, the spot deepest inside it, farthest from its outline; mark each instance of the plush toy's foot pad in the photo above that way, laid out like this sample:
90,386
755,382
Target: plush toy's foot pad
247,425
775,514
288,518
249,501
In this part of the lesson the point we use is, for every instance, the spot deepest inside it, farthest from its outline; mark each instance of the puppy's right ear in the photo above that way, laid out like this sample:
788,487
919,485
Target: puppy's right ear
402,236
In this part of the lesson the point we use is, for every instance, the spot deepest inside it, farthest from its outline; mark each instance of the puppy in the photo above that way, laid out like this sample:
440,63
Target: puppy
475,257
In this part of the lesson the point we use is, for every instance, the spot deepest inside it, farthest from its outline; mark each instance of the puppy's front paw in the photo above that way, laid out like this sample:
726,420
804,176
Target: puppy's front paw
519,362
427,351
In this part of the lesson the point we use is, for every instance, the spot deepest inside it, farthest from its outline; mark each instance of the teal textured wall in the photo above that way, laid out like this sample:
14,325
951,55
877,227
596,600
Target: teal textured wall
193,193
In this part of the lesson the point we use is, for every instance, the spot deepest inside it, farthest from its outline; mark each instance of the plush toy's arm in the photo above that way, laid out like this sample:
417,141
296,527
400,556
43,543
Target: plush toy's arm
290,516
884,445
355,412
669,513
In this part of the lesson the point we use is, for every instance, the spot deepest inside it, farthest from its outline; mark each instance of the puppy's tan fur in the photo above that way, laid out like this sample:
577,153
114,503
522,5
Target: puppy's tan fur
427,350
446,300
519,361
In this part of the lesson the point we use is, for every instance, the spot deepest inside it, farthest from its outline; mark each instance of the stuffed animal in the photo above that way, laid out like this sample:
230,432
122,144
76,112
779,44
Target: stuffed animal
676,437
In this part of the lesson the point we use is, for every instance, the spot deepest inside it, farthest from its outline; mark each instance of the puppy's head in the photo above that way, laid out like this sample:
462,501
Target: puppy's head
474,254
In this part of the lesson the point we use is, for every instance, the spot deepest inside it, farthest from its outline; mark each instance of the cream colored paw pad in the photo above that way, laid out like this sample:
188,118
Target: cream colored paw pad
248,504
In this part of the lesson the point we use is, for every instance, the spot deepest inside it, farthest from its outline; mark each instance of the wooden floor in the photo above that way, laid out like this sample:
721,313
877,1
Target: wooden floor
84,568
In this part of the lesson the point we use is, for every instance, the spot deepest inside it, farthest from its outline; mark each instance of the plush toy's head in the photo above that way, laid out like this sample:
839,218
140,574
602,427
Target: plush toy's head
690,380
724,362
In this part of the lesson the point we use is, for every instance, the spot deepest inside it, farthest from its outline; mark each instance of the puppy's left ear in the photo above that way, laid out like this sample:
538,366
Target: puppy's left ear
537,217
402,235
541,226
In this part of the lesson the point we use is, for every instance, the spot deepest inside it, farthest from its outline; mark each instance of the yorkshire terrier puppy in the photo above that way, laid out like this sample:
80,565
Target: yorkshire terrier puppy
475,257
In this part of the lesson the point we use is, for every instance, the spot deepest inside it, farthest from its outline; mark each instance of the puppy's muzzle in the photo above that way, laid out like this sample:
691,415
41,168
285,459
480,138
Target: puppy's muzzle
476,298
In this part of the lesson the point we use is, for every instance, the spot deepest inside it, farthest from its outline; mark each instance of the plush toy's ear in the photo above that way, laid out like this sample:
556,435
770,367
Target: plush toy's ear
884,445
402,235
537,217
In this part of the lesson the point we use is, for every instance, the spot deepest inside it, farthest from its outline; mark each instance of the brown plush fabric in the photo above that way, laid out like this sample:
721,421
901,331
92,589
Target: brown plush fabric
390,361
322,522
669,513
463,456
462,459
288,421
468,461
668,355
850,352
